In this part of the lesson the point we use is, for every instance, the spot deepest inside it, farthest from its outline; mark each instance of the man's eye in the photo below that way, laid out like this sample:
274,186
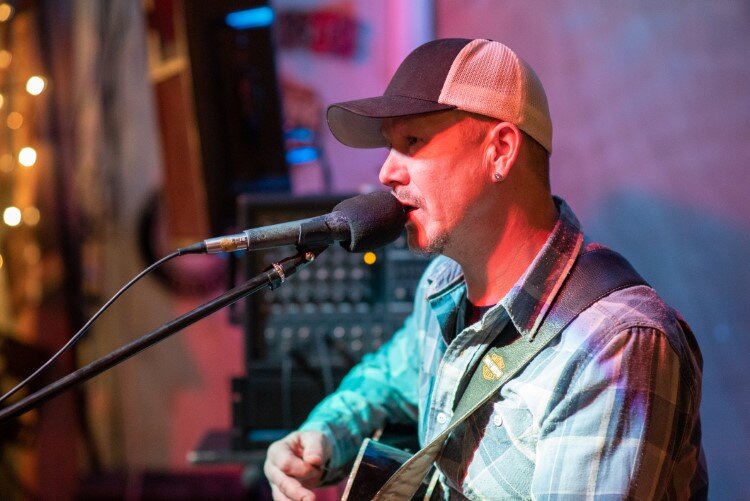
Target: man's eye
411,140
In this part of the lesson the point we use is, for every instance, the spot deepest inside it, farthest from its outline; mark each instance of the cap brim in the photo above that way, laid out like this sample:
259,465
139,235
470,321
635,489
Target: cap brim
358,123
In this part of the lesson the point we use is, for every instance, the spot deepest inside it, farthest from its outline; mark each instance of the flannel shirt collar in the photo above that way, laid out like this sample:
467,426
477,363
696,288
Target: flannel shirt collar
530,298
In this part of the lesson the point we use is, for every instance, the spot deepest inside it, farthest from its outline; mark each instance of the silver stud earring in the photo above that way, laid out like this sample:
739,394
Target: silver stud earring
498,177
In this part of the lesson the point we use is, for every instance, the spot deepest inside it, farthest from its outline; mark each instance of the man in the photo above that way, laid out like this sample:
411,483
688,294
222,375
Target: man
609,407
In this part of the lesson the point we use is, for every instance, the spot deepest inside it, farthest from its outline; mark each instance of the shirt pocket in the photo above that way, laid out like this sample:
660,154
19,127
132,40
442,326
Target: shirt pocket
502,464
507,422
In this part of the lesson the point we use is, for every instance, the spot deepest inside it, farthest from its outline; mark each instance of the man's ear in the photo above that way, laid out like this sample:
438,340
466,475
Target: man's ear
502,150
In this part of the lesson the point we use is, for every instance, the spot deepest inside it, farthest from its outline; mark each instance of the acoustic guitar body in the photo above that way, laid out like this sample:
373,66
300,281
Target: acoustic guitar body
375,464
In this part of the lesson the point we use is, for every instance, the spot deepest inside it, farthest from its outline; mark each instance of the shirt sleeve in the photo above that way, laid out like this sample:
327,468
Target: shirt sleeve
383,385
625,409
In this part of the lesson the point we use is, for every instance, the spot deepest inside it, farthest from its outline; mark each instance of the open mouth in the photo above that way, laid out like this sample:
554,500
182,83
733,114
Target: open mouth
404,201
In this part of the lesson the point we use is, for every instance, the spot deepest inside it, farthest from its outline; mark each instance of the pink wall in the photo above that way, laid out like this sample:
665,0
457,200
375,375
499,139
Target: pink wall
207,355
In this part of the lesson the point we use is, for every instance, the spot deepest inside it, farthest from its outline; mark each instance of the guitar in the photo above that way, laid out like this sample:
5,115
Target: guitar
374,465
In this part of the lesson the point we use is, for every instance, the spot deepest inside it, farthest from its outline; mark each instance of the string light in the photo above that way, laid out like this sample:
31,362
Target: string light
12,216
15,183
27,156
6,162
14,120
31,216
20,186
5,58
6,10
35,85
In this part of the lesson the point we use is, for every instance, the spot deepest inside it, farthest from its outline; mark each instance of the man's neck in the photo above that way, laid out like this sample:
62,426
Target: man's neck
493,266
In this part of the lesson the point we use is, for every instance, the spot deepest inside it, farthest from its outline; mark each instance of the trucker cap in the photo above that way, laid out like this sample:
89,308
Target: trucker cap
479,76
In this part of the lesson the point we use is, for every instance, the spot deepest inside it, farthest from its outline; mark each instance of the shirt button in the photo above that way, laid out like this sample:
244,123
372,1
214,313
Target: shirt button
497,420
442,418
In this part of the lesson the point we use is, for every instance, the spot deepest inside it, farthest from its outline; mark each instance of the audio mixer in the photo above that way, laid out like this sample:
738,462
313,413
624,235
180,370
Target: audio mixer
303,337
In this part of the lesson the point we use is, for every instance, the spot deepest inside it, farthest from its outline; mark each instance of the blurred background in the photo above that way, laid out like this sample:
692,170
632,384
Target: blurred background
131,127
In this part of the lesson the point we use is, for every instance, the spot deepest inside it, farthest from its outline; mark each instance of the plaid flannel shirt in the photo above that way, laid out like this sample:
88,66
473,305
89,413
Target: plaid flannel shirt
610,408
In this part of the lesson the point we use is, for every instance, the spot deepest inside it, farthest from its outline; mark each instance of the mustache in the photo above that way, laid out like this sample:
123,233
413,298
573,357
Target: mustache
408,198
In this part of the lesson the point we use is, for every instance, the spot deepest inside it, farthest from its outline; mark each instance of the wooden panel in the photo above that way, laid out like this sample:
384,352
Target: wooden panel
187,213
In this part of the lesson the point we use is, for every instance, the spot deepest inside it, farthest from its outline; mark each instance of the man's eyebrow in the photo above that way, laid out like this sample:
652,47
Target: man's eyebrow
384,132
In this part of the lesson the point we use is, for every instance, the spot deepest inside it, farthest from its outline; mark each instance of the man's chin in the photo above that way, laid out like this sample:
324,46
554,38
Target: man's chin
430,248
424,251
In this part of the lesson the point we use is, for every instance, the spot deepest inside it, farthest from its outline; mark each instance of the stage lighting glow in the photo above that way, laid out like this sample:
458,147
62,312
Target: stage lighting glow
259,17
302,155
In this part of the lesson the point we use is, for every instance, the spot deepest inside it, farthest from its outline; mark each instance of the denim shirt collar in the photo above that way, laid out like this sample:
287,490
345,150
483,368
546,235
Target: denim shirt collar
531,297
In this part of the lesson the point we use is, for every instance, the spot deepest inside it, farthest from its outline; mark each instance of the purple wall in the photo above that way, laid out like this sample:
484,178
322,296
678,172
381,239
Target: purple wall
651,111
385,32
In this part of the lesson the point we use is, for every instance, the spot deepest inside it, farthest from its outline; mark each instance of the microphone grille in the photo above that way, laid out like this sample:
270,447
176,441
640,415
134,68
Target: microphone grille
375,219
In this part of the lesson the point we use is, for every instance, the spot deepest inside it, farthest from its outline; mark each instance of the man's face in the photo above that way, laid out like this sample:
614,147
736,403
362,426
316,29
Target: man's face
435,168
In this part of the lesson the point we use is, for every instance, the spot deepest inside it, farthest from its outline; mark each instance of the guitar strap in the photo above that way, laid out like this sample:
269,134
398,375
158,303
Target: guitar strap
596,274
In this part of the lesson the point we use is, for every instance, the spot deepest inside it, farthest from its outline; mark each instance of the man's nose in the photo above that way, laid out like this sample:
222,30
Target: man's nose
393,172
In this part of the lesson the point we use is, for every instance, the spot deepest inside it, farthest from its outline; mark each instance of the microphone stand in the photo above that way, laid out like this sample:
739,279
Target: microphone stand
272,278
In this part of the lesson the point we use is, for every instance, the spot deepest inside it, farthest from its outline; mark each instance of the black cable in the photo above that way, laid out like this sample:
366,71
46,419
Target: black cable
86,326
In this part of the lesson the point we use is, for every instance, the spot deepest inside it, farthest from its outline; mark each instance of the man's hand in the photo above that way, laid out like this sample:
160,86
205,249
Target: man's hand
294,465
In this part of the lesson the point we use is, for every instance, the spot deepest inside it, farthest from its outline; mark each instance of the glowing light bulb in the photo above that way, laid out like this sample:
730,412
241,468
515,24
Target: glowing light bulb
2,100
14,120
6,10
12,216
35,85
369,258
6,162
31,216
1,261
5,58
27,156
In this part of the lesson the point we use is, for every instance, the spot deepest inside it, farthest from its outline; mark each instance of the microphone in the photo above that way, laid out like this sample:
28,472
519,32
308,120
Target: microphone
360,224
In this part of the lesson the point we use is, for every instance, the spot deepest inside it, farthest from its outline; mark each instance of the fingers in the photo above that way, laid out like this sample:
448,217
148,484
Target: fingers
288,456
294,464
278,495
313,448
285,487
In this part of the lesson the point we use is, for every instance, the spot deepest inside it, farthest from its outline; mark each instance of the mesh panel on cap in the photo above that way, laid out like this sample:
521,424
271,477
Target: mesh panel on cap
488,78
